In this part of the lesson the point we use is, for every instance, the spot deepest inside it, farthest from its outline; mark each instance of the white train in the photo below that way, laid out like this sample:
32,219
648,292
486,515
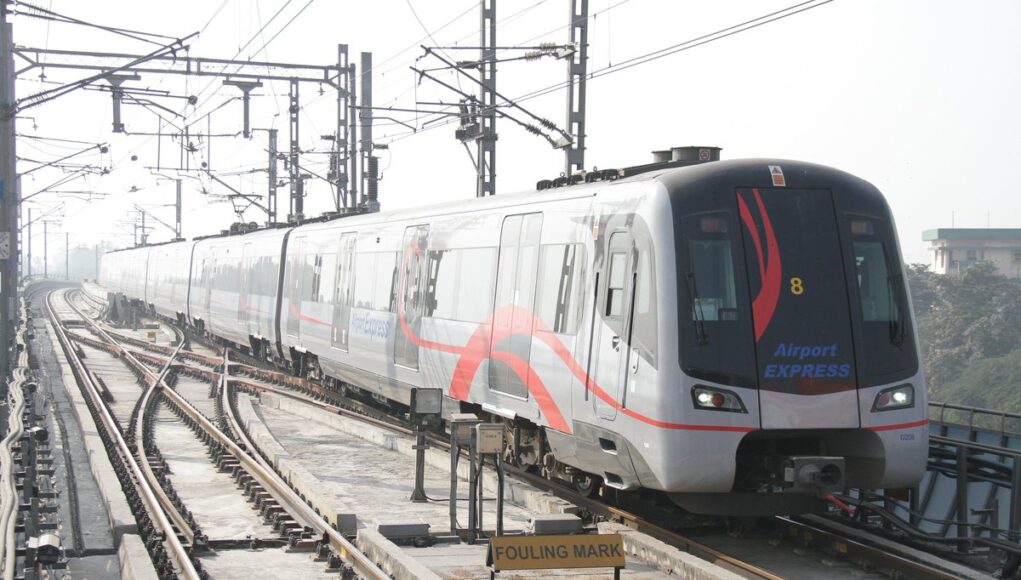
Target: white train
736,333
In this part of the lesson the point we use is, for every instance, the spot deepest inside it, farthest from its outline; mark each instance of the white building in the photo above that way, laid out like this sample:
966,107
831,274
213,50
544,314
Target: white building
955,249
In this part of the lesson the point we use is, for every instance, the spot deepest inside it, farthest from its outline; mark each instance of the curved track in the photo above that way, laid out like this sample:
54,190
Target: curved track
157,387
153,507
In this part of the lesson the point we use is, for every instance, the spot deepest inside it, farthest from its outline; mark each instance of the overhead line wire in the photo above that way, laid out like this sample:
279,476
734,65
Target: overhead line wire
56,16
660,53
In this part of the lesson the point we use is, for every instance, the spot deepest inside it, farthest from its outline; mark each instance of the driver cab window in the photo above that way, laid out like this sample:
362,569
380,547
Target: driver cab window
711,280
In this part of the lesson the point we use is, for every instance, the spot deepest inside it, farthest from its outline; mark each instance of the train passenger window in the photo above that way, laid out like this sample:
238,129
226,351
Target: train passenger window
476,273
615,284
384,296
460,284
342,294
317,278
441,289
560,276
373,280
365,276
645,328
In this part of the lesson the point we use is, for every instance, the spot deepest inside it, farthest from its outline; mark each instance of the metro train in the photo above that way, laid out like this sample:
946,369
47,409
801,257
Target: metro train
737,334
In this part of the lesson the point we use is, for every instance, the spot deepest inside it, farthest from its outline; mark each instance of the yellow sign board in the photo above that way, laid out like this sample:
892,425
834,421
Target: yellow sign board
539,552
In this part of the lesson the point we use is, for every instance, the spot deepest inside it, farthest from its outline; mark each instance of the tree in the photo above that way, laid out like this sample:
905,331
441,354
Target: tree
964,319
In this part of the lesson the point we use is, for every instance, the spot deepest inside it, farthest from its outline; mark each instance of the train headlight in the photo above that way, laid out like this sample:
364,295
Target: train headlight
716,400
900,397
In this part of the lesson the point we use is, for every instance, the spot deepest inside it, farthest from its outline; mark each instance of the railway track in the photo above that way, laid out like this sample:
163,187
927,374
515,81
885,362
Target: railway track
172,529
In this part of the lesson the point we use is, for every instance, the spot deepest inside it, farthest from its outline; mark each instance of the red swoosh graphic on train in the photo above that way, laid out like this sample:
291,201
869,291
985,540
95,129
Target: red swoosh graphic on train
477,349
764,304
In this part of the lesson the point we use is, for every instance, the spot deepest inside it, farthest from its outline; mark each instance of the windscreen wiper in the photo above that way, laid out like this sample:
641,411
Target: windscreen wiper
897,323
696,310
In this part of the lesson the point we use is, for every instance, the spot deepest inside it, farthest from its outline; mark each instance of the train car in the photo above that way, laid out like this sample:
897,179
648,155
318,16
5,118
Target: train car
737,334
234,288
125,271
166,285
736,327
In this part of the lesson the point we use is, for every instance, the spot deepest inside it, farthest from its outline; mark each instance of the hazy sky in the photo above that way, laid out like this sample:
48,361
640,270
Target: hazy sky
919,97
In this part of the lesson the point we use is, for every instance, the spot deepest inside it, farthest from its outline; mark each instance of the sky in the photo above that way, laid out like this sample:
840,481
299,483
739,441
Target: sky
918,97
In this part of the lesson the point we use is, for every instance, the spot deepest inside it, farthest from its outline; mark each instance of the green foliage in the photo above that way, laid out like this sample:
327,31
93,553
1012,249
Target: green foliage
969,335
992,383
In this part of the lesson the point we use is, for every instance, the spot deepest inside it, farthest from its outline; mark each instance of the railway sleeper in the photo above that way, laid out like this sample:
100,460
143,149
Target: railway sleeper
302,545
226,462
268,509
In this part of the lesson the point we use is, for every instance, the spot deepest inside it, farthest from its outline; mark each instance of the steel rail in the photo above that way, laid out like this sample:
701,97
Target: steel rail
145,491
275,485
257,466
815,535
152,384
168,505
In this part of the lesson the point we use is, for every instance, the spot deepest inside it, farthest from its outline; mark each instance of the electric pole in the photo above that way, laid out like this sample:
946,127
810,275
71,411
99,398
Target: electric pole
341,138
67,255
486,144
8,199
297,191
576,72
29,243
352,138
370,166
271,200
177,230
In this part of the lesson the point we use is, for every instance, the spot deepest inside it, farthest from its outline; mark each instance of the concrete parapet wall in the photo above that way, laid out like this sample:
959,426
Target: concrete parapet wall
340,516
391,558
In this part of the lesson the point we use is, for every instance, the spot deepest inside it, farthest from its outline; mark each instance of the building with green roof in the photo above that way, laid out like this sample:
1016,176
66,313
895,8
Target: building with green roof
956,249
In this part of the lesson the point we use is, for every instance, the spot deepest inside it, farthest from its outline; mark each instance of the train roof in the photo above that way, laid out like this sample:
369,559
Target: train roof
672,175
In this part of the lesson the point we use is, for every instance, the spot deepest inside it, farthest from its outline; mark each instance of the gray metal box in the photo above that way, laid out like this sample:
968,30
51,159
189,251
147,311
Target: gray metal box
550,524
402,529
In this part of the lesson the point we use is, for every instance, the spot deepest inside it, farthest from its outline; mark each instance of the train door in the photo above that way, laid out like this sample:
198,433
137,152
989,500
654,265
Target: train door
800,309
514,308
616,308
244,308
343,290
209,267
409,298
295,271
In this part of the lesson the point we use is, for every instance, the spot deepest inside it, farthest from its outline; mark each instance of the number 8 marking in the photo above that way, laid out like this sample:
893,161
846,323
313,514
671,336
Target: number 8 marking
797,286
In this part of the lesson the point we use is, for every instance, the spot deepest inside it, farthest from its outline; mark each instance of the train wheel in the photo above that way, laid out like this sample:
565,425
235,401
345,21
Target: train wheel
586,484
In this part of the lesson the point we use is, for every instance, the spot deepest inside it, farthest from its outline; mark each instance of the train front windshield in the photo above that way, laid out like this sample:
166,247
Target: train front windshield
794,291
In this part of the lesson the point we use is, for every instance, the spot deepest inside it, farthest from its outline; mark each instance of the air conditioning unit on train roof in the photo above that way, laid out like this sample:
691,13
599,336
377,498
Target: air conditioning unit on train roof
692,154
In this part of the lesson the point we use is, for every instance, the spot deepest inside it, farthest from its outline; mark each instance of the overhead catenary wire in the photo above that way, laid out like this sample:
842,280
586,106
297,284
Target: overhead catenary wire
689,44
238,53
45,14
